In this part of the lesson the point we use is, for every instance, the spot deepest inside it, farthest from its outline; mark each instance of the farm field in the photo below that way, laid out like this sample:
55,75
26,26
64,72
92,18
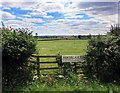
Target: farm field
64,47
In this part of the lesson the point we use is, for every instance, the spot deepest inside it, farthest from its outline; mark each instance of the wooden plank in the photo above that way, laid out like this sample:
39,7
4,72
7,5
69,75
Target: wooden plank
49,68
45,74
75,68
44,62
45,56
48,62
38,66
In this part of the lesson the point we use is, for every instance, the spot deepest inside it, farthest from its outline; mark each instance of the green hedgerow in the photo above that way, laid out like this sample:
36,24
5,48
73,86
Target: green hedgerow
103,56
17,46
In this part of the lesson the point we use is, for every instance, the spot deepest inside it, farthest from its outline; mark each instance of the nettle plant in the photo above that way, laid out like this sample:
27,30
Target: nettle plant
17,46
103,54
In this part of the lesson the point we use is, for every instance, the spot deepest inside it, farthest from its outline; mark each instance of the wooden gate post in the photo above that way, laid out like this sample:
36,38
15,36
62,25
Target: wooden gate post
75,67
59,59
38,66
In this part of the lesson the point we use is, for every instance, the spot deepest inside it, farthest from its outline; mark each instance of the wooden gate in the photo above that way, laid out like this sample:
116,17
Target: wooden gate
58,61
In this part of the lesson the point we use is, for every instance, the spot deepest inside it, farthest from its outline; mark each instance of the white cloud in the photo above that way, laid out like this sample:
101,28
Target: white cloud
25,22
25,16
48,16
63,26
15,26
38,14
18,23
113,19
66,26
41,14
34,20
26,8
6,15
22,5
20,17
29,20
75,16
50,7
13,22
6,8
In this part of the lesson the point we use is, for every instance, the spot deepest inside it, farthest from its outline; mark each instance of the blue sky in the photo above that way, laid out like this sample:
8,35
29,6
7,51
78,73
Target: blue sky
60,17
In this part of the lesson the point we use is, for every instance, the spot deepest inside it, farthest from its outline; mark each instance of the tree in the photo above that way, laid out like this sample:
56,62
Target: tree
36,34
3,26
79,36
115,30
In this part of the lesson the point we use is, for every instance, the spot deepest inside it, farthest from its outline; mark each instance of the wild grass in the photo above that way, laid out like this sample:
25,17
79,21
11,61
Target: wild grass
73,83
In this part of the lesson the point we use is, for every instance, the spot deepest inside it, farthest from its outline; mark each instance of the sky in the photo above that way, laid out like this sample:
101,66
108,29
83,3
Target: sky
60,17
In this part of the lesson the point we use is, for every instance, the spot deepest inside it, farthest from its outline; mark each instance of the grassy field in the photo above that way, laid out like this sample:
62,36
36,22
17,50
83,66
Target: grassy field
64,47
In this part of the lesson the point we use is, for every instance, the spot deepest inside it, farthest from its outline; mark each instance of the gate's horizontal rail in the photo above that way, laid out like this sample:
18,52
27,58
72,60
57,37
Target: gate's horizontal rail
48,68
43,68
44,62
45,56
48,62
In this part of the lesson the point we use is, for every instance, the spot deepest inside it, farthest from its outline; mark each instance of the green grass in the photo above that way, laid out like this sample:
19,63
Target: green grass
64,47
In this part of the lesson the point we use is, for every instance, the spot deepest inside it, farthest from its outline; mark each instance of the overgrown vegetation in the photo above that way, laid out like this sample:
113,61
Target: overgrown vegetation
71,83
103,54
17,46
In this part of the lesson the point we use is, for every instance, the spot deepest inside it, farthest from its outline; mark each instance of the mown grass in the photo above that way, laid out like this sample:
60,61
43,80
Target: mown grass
64,47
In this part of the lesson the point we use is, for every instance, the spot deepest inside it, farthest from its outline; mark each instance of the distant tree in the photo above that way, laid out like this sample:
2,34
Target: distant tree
36,34
79,36
89,36
3,26
115,30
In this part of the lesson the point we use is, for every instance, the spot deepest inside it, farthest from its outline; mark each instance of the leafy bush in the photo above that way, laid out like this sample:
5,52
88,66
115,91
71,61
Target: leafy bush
17,47
102,59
